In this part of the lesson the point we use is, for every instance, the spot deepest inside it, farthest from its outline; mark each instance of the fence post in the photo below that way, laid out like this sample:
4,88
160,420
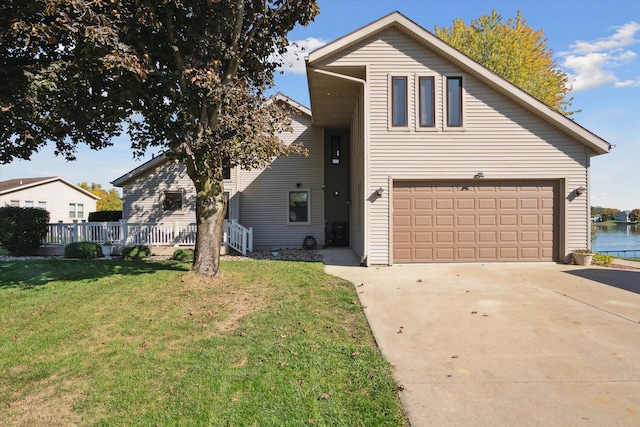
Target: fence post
123,232
250,244
244,243
59,234
75,237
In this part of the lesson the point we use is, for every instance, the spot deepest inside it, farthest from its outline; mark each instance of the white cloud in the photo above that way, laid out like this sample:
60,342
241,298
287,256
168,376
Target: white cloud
293,60
629,83
591,63
624,36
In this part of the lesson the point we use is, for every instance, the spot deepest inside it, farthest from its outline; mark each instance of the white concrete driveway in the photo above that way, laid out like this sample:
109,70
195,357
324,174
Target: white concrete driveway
506,344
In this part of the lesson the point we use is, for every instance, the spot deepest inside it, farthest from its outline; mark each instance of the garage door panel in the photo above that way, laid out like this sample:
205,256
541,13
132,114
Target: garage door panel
445,220
444,237
475,221
422,220
486,220
466,254
487,204
466,236
466,220
465,204
529,219
506,220
485,237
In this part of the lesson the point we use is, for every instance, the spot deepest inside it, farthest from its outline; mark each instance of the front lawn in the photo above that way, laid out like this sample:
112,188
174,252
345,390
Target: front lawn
271,343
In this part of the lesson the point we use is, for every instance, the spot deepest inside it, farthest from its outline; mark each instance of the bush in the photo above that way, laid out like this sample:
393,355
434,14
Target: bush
184,255
602,259
105,216
82,250
136,252
22,229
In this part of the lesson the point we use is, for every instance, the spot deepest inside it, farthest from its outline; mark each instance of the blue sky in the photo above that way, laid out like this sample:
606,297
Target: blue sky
596,42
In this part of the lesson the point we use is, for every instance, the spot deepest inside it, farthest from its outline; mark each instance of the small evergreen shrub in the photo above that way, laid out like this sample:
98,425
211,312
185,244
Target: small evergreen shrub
184,255
22,229
136,252
105,216
602,259
82,250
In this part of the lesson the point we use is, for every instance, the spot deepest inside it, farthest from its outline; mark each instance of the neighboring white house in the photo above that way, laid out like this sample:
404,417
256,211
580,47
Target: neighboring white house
417,153
622,216
65,201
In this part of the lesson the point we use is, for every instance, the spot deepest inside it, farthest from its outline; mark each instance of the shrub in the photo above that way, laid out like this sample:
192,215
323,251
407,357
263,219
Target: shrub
22,229
105,216
82,250
136,252
184,255
602,259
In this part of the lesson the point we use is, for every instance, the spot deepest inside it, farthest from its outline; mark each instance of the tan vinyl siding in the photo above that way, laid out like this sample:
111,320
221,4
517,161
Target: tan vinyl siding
264,201
499,138
143,196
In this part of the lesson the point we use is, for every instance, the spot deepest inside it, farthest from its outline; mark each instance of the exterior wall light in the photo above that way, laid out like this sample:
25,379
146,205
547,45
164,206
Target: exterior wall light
478,175
581,190
380,191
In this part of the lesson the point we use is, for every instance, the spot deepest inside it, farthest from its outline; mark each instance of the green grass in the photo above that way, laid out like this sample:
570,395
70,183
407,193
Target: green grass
109,343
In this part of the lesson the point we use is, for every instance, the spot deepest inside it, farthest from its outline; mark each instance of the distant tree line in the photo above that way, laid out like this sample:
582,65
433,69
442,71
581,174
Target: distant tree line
607,214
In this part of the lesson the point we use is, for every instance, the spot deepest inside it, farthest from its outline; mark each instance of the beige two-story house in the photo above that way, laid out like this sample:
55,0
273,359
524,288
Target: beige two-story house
417,153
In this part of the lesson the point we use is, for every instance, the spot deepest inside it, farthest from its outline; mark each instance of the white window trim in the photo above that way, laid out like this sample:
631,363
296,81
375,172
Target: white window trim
75,210
445,104
437,110
390,125
299,190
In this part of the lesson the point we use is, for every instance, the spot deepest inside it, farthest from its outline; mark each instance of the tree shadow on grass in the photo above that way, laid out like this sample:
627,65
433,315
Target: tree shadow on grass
32,273
628,280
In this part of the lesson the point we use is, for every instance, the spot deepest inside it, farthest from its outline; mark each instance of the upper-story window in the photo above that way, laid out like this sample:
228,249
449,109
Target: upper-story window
454,101
399,102
427,102
76,210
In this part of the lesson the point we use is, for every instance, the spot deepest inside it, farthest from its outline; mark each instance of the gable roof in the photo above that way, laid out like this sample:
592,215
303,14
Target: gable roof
19,184
156,161
399,21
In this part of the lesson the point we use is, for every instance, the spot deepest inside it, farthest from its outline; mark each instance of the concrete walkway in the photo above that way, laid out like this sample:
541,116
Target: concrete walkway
506,344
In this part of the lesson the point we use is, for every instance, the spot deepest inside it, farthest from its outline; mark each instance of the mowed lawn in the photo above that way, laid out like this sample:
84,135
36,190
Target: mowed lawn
270,343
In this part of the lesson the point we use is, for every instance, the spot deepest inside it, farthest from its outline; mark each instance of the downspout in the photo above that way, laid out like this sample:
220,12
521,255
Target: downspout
365,143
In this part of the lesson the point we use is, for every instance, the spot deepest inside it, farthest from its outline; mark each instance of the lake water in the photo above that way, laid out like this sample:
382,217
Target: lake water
617,237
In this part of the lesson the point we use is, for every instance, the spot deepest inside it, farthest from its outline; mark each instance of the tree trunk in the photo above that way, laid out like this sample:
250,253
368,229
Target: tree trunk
210,212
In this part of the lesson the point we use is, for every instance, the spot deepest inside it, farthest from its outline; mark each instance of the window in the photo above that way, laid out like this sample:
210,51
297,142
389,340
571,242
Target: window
399,102
28,203
226,171
76,210
299,207
427,107
226,202
335,149
15,203
454,101
42,205
172,201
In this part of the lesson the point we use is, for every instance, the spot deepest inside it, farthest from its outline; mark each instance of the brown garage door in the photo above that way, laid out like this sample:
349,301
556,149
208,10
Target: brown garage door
475,221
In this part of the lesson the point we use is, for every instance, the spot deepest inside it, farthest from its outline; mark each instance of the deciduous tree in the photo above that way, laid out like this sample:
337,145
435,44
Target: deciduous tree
514,51
634,215
109,200
189,76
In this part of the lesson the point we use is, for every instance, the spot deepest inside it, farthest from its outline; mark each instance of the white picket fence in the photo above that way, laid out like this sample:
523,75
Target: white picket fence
122,233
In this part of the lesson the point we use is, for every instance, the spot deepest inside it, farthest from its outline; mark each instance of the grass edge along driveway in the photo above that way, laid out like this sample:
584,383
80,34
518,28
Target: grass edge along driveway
149,343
